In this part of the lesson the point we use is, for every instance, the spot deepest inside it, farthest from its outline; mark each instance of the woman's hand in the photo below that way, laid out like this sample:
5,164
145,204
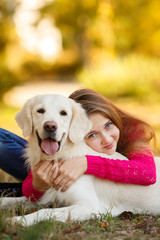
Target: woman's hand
69,171
44,174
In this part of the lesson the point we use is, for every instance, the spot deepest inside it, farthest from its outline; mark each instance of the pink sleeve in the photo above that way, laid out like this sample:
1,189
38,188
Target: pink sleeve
140,169
28,190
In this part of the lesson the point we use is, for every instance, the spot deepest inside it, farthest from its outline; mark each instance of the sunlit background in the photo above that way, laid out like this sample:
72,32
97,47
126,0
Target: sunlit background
96,43
43,38
112,46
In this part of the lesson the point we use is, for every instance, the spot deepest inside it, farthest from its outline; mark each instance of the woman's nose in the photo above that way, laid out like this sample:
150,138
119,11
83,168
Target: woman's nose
105,139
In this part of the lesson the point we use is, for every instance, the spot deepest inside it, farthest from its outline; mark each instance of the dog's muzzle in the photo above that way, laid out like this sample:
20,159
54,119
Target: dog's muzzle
48,145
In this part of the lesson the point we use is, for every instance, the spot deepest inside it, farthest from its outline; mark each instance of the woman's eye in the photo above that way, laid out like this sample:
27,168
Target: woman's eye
41,110
92,135
108,124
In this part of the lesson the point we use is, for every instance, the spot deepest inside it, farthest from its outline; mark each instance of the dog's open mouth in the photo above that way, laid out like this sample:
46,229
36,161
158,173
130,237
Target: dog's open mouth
48,145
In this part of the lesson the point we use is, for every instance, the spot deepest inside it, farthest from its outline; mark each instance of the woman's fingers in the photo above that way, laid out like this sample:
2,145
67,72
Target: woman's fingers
54,172
67,185
41,167
63,181
61,174
42,175
64,184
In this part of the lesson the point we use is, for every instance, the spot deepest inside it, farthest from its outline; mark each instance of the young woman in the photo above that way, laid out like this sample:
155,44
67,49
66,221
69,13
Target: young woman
112,130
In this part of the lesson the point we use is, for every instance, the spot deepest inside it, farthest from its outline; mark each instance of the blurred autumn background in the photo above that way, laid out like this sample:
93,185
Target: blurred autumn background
111,46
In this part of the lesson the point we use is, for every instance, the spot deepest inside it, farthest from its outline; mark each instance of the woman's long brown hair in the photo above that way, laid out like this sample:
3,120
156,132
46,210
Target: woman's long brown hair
135,134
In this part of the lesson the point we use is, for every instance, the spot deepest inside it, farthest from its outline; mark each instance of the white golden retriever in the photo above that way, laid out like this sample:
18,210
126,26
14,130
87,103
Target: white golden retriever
57,127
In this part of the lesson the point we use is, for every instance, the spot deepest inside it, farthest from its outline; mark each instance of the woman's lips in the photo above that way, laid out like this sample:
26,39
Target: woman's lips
109,146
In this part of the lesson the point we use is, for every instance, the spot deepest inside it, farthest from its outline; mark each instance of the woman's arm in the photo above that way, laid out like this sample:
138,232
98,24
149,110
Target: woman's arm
28,190
140,169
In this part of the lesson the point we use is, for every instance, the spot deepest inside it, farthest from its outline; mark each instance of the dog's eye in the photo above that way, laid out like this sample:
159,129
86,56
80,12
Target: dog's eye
63,113
41,110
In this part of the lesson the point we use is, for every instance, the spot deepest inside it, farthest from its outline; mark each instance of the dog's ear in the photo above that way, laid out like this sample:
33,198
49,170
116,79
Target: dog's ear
80,124
24,118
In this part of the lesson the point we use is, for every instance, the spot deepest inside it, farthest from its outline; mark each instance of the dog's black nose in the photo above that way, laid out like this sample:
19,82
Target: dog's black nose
50,126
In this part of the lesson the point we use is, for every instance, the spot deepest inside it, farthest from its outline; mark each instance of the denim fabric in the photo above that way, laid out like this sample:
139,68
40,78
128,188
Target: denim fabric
11,154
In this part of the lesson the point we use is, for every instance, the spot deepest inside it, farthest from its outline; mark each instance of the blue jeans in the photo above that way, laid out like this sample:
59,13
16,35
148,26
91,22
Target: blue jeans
11,154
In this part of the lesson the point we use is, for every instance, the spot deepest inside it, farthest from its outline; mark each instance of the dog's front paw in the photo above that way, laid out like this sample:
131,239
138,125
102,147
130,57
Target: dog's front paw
17,220
26,220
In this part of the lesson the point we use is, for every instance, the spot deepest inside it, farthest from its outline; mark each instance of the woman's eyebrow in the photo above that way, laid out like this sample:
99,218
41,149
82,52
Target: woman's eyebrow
108,121
91,132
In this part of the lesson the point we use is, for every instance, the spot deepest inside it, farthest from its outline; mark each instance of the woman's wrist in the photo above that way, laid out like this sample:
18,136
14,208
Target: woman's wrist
37,188
85,163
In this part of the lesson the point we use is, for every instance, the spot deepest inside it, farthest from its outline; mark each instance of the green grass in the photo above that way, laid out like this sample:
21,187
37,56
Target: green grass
126,226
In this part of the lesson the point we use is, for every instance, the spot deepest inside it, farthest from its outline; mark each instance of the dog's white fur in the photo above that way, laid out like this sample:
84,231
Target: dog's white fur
88,195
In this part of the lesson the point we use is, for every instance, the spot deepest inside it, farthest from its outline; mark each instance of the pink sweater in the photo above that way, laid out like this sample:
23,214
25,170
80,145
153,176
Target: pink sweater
140,169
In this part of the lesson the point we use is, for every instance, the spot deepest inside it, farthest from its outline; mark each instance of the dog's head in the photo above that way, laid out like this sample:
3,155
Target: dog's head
53,118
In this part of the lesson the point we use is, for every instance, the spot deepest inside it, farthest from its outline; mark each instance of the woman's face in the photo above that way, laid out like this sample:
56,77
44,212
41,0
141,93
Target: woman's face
103,136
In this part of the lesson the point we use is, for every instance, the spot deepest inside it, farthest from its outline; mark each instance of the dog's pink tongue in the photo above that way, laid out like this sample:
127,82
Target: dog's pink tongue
49,146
